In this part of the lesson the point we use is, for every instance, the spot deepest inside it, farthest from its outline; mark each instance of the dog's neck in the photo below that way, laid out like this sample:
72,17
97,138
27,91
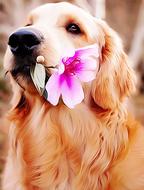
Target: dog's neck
55,138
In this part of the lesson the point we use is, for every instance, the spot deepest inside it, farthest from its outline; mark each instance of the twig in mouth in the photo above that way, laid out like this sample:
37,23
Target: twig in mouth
52,67
40,59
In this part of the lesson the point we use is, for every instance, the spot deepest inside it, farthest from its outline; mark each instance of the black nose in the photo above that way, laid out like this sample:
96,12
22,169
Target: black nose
23,42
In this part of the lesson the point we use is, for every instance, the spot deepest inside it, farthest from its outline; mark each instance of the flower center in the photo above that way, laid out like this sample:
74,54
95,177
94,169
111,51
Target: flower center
71,65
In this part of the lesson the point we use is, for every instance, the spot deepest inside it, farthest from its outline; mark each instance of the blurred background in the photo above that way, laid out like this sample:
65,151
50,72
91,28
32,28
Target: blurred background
125,16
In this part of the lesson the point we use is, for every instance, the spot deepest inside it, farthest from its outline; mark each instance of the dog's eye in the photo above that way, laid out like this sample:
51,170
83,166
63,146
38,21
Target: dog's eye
73,28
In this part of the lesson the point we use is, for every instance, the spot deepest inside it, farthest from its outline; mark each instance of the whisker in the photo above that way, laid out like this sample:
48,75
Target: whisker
6,73
19,84
16,80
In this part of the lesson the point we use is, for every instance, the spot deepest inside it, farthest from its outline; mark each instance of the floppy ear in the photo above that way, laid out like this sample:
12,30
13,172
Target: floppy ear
115,79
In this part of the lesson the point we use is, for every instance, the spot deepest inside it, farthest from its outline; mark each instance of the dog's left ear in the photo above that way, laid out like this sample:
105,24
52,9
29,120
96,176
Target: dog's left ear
115,79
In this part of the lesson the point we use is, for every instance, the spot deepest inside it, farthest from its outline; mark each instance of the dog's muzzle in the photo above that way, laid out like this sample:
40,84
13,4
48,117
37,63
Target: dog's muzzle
24,45
23,42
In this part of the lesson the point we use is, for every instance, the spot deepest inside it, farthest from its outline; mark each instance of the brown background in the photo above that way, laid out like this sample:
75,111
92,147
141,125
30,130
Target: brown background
122,15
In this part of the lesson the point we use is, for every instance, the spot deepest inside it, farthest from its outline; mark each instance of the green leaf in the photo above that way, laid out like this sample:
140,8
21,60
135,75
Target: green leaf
38,75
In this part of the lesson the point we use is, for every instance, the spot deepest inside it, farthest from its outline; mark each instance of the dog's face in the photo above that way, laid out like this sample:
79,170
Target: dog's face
52,29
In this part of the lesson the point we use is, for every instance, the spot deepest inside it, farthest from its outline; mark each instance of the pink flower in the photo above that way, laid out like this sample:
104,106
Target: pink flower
80,65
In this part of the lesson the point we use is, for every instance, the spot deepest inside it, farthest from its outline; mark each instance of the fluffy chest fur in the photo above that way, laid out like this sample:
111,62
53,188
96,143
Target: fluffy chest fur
59,148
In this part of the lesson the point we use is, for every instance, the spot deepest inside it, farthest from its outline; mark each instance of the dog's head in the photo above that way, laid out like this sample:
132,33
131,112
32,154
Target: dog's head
53,28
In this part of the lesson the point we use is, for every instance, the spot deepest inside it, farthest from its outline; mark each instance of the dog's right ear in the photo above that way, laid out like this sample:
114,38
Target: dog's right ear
115,79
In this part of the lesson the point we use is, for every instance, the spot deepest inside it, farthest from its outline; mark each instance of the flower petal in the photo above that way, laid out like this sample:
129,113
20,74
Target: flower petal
53,89
86,71
86,76
88,64
61,68
72,92
92,50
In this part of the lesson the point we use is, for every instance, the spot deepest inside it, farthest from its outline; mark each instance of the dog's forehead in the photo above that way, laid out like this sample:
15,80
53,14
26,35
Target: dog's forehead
53,11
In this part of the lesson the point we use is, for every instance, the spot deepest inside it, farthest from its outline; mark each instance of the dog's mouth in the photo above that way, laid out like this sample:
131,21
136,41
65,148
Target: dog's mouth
24,45
22,66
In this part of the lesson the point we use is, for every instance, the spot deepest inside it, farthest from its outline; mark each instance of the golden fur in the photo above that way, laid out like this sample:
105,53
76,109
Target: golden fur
97,145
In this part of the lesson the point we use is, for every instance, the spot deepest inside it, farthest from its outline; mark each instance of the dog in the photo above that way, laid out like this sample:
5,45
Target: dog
97,145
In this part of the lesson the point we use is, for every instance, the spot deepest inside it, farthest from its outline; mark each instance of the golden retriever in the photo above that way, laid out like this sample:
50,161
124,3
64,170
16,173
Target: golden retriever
95,146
